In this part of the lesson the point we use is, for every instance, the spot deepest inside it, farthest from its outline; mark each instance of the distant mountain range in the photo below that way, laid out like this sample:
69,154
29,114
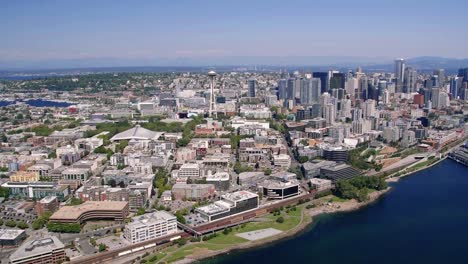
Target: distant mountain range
426,63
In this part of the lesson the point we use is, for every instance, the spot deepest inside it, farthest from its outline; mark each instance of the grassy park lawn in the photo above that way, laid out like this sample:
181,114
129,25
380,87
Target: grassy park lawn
335,199
222,241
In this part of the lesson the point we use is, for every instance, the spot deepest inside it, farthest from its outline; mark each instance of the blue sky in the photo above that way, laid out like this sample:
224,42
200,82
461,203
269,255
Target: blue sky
38,30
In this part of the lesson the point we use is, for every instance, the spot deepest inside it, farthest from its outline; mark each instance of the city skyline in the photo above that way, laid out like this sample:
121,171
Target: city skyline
119,34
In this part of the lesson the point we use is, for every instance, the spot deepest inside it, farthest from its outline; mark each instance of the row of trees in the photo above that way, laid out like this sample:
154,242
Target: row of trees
41,221
188,131
180,215
161,181
12,223
64,227
239,168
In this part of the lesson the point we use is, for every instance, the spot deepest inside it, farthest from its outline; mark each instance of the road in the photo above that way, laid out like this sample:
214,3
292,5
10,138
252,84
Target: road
67,238
109,256
403,162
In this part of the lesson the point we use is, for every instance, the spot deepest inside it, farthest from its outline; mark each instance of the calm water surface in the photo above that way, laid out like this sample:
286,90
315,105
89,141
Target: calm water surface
424,219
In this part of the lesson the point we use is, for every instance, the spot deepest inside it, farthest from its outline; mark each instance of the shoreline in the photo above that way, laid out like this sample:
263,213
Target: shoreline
392,178
308,216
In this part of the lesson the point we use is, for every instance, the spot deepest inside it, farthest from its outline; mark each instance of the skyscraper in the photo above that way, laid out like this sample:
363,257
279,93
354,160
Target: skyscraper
399,69
441,74
337,80
409,83
345,108
323,76
310,91
435,81
329,114
363,87
444,100
368,109
291,89
435,97
463,73
252,83
386,97
399,74
453,87
351,86
282,93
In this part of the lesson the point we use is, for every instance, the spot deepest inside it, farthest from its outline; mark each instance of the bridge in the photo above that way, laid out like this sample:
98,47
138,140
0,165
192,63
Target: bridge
188,229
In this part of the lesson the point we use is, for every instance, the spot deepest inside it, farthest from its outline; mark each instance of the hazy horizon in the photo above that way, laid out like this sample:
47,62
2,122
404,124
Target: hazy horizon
143,33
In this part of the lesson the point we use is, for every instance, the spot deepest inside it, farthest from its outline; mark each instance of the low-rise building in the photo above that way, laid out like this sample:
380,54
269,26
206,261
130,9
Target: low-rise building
11,237
275,188
24,176
189,170
339,172
320,184
193,191
150,226
91,210
282,160
220,180
311,169
166,196
76,174
229,204
250,179
37,190
47,204
44,250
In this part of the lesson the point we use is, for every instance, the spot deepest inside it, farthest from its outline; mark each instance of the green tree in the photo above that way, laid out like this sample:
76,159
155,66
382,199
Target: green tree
181,241
92,241
280,220
303,159
75,201
38,224
102,247
297,170
10,223
121,146
4,192
180,216
362,195
23,225
141,211
346,190
52,155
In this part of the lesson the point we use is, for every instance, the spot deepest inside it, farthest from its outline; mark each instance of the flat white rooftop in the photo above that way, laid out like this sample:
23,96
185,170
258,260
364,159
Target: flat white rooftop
10,234
239,196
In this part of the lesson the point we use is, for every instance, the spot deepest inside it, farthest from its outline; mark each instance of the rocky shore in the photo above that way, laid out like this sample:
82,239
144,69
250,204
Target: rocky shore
323,207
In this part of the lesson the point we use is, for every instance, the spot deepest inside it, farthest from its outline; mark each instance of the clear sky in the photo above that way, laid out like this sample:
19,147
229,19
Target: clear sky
82,29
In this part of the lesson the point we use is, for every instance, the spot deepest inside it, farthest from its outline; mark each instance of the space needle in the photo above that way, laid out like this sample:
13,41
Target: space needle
212,75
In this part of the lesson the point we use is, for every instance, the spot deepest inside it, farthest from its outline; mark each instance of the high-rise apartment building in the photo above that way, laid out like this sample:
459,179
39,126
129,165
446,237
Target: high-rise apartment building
310,91
252,84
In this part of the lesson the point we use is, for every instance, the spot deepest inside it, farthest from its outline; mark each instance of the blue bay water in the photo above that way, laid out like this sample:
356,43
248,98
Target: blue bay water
423,219
38,103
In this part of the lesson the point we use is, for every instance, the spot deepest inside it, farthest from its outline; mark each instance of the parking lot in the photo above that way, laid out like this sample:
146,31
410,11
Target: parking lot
17,211
194,219
113,242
